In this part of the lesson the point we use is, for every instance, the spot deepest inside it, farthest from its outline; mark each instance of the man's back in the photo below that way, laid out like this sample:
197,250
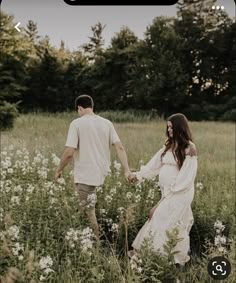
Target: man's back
92,136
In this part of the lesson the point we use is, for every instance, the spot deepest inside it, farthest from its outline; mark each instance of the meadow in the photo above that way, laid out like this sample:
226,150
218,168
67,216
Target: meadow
43,237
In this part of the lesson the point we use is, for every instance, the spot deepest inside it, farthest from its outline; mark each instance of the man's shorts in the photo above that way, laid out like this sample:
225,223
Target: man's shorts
87,195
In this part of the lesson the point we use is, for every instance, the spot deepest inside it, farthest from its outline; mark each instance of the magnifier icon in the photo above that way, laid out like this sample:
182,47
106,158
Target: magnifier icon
219,268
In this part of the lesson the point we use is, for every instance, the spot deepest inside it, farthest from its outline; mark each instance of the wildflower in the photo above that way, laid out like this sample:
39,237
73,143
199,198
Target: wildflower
117,165
55,159
139,269
45,265
137,198
42,278
129,195
1,213
219,226
10,171
92,199
61,181
86,240
118,184
114,227
17,248
20,257
108,199
103,211
199,185
99,189
72,236
220,240
18,189
222,250
120,210
113,191
13,232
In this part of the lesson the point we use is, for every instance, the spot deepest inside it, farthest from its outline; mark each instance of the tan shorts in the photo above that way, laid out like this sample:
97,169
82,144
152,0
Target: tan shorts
87,195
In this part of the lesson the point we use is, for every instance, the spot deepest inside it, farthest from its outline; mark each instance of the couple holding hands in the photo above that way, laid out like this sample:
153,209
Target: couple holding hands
88,142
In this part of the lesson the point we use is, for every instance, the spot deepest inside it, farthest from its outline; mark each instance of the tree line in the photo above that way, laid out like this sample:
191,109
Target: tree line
183,64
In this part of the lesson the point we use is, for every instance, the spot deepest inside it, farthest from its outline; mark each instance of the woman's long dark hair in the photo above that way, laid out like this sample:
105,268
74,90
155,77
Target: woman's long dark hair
181,137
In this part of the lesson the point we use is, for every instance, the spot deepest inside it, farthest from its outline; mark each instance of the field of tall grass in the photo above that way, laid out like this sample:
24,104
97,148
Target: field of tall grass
43,237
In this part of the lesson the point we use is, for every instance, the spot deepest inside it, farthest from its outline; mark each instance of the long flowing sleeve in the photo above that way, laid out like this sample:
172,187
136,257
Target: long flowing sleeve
152,168
186,176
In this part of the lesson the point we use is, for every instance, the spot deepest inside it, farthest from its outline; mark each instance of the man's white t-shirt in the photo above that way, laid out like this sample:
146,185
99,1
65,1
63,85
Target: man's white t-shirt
91,136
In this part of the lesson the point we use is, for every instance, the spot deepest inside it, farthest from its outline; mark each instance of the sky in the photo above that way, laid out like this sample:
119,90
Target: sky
72,24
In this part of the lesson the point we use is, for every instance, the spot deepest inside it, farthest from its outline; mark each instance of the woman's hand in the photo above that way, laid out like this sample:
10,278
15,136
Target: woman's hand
132,178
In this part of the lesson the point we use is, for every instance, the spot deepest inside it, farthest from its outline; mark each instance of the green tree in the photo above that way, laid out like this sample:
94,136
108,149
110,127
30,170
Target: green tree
94,47
159,81
110,74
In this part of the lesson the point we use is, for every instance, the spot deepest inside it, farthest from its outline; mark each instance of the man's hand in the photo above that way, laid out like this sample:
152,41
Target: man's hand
127,174
57,175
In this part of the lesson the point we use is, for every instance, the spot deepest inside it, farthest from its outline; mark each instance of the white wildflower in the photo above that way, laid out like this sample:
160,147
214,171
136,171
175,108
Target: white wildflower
91,199
61,181
199,185
117,165
222,250
114,227
108,199
42,278
129,195
55,159
139,269
13,232
15,200
45,262
20,257
103,211
17,248
137,198
10,171
99,189
118,184
113,191
218,225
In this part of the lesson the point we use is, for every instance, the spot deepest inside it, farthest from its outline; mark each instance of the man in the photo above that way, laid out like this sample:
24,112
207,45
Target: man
88,142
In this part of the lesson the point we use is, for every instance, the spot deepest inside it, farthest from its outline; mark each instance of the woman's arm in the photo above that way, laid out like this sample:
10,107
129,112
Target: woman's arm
152,168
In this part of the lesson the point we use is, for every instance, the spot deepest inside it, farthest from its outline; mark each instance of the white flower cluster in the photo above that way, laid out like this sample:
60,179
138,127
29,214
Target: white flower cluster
129,195
108,199
45,265
12,234
199,185
136,263
72,236
55,159
220,239
15,200
117,167
91,200
150,196
1,214
85,237
17,250
41,163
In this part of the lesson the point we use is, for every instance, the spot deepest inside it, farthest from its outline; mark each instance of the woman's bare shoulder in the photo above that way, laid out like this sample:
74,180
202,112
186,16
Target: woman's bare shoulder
191,149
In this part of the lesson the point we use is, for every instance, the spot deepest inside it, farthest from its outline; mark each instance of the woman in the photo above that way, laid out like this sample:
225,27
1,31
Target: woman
176,165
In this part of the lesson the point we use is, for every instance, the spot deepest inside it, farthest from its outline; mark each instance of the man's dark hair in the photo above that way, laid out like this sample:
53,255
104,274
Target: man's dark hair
84,101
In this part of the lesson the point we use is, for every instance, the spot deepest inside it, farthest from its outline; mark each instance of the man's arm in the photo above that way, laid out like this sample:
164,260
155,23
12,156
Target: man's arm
65,158
120,151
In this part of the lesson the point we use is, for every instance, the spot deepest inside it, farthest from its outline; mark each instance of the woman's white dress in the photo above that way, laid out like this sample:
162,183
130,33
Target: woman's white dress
174,208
